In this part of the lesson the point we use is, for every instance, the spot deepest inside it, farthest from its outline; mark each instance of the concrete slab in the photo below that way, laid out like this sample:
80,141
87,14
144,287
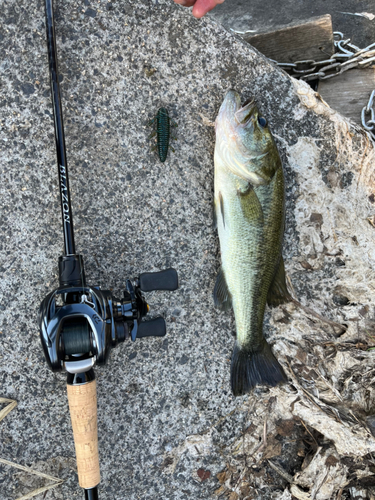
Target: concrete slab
165,409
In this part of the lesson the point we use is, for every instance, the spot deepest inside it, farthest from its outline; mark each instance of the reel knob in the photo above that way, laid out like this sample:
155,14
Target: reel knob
152,328
162,280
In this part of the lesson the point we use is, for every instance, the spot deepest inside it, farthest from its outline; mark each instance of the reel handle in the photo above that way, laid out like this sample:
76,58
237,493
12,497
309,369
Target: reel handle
153,328
162,280
81,388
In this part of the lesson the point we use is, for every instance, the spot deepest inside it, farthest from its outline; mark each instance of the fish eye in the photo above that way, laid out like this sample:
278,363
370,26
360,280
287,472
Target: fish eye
262,121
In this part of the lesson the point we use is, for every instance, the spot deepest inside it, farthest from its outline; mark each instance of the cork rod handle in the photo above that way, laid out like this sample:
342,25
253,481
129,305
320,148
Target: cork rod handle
83,410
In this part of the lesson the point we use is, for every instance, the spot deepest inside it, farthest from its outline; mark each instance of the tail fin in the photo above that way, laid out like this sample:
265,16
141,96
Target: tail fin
249,369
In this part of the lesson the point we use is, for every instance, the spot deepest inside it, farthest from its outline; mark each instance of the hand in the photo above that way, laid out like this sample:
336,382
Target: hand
200,7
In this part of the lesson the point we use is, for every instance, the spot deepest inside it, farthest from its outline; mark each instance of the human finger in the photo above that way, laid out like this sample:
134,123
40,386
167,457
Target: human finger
201,7
185,3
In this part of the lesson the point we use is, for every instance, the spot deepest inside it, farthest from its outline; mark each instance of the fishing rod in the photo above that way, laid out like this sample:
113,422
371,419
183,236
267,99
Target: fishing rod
79,323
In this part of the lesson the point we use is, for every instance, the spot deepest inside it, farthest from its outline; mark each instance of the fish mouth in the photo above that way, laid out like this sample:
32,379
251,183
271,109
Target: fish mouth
232,109
234,116
244,114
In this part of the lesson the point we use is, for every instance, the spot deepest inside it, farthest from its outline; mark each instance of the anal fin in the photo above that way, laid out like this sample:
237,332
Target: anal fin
278,292
222,296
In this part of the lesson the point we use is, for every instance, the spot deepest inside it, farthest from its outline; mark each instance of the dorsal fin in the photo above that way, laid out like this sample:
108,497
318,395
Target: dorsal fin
278,292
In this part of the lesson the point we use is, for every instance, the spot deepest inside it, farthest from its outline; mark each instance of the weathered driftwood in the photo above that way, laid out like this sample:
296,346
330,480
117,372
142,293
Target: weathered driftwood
349,92
312,39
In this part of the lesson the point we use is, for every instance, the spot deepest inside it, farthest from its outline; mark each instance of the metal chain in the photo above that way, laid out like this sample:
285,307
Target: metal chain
369,125
347,56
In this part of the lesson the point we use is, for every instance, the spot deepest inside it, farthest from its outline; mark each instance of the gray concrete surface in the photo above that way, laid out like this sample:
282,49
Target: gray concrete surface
131,214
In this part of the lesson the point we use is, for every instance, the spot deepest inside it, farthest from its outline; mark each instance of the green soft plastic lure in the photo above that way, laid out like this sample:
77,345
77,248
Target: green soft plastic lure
162,131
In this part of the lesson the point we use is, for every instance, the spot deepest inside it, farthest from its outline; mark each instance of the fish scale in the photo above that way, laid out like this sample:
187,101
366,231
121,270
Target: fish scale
249,206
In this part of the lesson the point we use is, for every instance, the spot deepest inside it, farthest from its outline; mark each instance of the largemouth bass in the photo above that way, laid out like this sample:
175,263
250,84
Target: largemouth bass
249,214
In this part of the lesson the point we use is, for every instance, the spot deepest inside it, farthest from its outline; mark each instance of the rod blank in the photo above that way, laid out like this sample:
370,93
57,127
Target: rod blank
66,210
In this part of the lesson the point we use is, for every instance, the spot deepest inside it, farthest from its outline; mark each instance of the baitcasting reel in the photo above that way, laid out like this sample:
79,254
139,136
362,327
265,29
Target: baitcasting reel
79,324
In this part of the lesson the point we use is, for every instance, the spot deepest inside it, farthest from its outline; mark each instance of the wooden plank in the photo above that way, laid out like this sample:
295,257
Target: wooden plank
312,39
349,93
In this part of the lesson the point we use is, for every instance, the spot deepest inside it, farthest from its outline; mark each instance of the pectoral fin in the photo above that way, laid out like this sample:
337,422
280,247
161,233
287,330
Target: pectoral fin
222,296
219,206
250,206
214,216
262,168
221,201
278,292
